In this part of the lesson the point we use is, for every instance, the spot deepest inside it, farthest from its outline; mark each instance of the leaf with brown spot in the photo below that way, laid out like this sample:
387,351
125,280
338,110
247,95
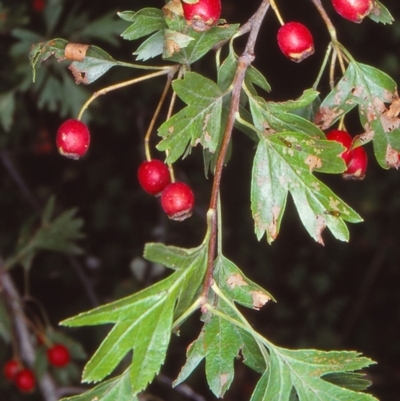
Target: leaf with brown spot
236,280
236,285
95,64
259,299
313,162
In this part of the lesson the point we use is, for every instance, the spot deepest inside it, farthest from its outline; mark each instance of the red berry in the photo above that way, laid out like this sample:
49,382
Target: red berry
38,5
343,138
357,165
203,14
25,380
353,10
295,41
153,176
10,370
58,355
177,200
73,139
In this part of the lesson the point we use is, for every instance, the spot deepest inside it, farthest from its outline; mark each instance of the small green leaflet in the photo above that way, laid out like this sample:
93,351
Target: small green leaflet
202,43
118,388
369,89
43,50
380,14
143,321
144,22
199,121
58,234
303,370
95,64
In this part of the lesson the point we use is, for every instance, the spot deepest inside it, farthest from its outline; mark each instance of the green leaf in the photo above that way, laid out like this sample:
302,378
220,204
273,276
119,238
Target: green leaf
151,47
272,117
220,343
199,122
144,22
174,42
203,42
143,321
118,388
59,234
284,163
352,381
302,370
43,50
95,64
380,13
237,286
369,89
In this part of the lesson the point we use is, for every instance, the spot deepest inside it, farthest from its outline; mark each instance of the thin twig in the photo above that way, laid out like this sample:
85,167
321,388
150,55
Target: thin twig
244,62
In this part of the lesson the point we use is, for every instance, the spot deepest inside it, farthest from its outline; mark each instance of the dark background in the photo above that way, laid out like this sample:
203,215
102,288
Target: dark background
341,296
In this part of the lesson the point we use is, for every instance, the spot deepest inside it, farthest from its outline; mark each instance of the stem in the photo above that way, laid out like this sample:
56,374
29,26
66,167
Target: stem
276,10
243,63
327,20
324,63
120,85
155,116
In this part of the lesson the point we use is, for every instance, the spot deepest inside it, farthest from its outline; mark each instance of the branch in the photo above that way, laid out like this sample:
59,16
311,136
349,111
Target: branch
244,62
27,351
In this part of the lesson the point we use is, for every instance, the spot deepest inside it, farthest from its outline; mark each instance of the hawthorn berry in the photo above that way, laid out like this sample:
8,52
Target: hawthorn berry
202,15
295,41
177,201
38,5
344,138
10,369
357,165
73,139
58,355
25,380
153,176
353,10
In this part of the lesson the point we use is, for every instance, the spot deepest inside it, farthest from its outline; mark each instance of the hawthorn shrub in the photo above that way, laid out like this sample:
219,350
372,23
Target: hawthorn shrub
199,108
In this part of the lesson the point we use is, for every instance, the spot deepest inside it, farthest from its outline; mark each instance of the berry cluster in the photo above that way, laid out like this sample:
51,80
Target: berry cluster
177,198
24,378
356,159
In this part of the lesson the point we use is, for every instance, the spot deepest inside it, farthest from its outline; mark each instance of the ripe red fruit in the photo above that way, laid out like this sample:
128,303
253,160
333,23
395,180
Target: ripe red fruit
203,14
58,355
295,41
343,138
153,176
353,10
177,201
73,139
25,380
357,165
10,369
38,5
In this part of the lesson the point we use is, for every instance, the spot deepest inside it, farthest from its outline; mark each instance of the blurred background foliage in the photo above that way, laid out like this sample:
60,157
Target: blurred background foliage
341,296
